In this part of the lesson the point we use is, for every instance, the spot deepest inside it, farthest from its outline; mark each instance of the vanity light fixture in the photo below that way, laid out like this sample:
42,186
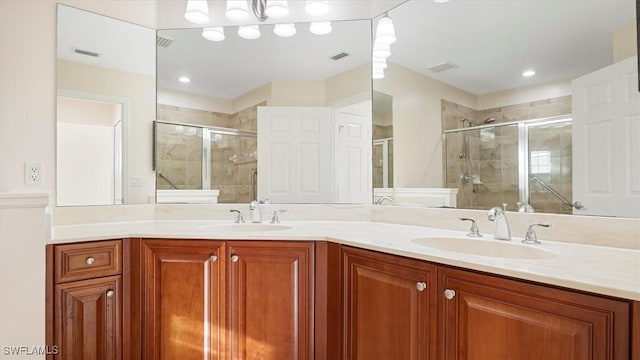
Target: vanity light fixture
213,33
249,32
285,30
317,7
385,32
377,74
184,79
237,10
528,73
381,50
277,9
320,28
197,12
379,63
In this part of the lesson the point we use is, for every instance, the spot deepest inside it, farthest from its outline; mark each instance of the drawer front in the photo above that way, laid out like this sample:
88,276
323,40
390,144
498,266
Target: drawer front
88,260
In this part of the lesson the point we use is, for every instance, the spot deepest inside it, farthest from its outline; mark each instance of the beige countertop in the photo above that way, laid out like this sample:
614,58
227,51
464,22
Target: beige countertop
597,269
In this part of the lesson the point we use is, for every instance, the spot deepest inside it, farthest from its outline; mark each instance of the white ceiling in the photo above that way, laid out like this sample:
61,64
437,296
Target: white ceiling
232,67
492,42
122,46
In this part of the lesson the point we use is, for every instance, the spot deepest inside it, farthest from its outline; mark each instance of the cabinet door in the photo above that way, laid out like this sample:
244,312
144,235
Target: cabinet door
87,319
270,296
389,307
183,295
487,317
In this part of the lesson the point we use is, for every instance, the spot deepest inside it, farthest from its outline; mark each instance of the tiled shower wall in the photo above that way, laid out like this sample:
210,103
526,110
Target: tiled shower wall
233,157
493,153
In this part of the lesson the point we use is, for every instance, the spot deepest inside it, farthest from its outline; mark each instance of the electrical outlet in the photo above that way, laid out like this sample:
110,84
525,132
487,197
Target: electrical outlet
32,174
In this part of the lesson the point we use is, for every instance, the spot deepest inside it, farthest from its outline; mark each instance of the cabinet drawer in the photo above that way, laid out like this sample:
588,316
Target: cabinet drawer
88,260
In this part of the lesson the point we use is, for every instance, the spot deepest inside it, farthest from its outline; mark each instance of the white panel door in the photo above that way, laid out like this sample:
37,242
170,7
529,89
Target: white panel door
353,158
606,135
295,152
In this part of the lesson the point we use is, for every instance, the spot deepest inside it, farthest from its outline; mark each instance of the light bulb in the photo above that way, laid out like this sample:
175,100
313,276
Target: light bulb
381,50
277,9
317,7
377,74
385,32
197,12
320,28
284,30
213,33
249,32
379,63
237,10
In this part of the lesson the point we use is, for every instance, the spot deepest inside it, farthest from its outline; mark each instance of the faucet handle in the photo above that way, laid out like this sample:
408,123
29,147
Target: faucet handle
474,231
239,218
275,219
531,237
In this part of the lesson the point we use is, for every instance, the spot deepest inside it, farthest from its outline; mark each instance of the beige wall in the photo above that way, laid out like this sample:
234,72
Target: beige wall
297,93
625,43
194,101
139,91
416,124
348,84
524,94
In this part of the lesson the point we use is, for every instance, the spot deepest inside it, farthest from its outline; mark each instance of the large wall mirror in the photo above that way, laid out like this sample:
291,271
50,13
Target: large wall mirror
281,118
105,78
531,104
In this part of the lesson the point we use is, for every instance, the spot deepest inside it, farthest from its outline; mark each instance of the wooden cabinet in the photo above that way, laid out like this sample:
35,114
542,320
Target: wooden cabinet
270,295
84,307
88,314
389,307
488,317
183,295
242,300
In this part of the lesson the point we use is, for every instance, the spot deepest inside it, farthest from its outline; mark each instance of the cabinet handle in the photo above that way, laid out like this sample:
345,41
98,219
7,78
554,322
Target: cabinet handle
213,258
234,258
90,260
421,286
449,294
110,293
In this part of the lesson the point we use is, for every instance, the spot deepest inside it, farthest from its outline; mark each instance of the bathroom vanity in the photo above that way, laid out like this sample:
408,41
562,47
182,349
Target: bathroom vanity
327,290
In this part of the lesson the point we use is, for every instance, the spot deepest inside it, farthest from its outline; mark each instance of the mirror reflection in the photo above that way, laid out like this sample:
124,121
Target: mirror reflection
269,118
503,103
105,78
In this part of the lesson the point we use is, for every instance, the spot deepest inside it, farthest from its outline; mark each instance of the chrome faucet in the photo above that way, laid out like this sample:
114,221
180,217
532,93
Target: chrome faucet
474,231
498,215
382,199
531,237
239,218
256,209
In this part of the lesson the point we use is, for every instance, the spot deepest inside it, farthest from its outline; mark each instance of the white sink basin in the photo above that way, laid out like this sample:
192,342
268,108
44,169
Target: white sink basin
249,227
489,248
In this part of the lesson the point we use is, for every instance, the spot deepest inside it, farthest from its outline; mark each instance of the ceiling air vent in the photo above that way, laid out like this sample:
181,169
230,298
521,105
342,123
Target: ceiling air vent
163,42
86,52
340,56
443,67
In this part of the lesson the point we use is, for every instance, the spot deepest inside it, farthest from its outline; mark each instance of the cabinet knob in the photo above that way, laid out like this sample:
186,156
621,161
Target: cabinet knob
110,293
421,286
235,258
449,294
90,260
213,258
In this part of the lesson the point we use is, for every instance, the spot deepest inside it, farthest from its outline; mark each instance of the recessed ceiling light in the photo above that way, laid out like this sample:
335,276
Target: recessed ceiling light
184,79
528,73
